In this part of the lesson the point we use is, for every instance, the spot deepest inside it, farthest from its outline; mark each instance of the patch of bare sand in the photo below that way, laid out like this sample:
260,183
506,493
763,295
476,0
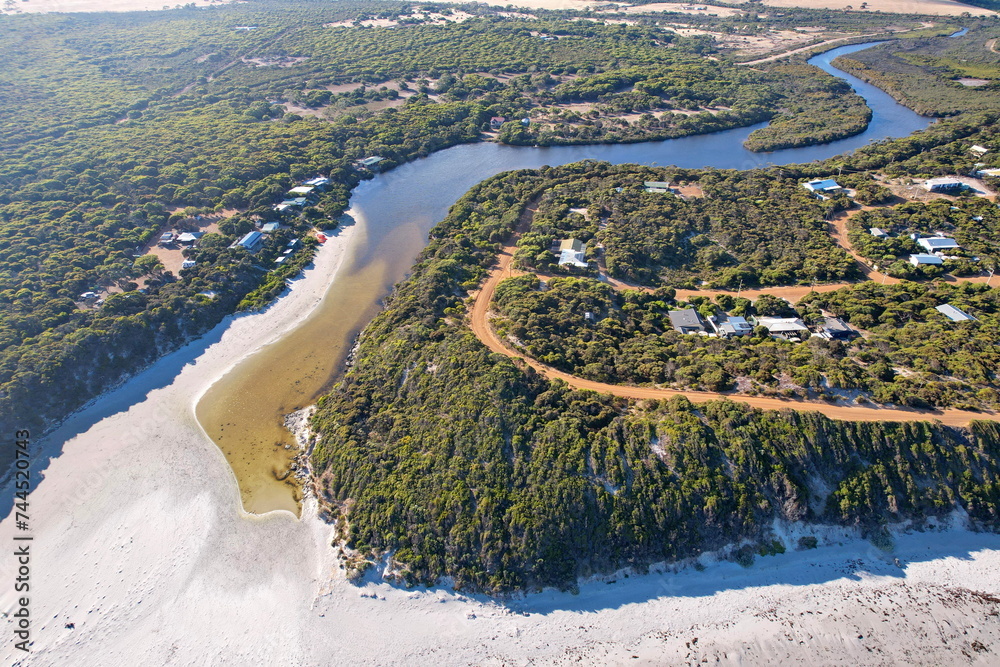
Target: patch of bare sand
425,18
936,7
547,4
681,8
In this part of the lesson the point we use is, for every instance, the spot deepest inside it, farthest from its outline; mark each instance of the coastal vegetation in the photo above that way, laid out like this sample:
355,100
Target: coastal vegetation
449,460
754,228
936,77
457,461
118,127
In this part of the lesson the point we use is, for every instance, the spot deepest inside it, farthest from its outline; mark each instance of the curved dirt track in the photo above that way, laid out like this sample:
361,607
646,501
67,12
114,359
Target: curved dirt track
484,332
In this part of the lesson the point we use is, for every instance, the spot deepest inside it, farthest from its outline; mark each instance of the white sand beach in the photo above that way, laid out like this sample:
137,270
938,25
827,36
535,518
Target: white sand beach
142,555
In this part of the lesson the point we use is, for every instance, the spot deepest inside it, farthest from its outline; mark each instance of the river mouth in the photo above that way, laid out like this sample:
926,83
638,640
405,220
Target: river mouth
243,413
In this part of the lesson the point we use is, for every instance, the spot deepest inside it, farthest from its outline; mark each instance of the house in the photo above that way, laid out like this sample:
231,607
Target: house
823,188
370,162
166,238
788,328
269,227
954,314
571,252
189,238
878,233
835,328
934,244
917,260
298,202
979,150
252,241
301,191
496,122
687,321
320,183
293,245
728,326
944,185
660,187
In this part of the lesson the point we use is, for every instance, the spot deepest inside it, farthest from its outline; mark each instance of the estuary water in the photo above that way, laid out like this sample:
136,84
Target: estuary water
243,412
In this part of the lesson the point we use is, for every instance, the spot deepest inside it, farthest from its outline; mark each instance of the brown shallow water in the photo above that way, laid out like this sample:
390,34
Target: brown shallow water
243,413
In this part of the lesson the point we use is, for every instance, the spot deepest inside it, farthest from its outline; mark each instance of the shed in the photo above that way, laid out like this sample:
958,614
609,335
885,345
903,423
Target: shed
371,161
251,241
687,321
269,227
954,314
935,243
878,233
917,260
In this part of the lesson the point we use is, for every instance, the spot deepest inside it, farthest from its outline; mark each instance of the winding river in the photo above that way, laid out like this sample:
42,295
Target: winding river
243,412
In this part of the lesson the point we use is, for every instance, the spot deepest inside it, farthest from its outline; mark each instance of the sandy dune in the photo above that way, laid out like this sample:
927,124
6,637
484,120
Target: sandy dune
938,7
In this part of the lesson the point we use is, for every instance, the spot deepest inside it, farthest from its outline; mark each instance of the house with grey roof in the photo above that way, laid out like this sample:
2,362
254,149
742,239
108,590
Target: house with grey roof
728,326
687,321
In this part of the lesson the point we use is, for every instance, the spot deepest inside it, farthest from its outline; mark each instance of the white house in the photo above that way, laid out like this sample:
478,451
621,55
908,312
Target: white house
784,327
944,185
571,252
936,243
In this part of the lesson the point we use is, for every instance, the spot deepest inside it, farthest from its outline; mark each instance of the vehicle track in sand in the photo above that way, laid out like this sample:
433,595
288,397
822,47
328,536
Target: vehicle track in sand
480,324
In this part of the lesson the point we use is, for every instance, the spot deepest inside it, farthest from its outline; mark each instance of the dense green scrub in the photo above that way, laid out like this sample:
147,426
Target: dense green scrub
974,222
116,127
926,74
815,110
454,461
911,354
758,227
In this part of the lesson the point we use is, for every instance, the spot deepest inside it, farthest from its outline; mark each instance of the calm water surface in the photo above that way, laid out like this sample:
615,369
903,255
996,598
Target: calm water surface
243,412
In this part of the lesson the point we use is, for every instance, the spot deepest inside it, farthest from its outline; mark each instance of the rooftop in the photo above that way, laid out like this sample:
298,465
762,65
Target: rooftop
954,314
686,319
